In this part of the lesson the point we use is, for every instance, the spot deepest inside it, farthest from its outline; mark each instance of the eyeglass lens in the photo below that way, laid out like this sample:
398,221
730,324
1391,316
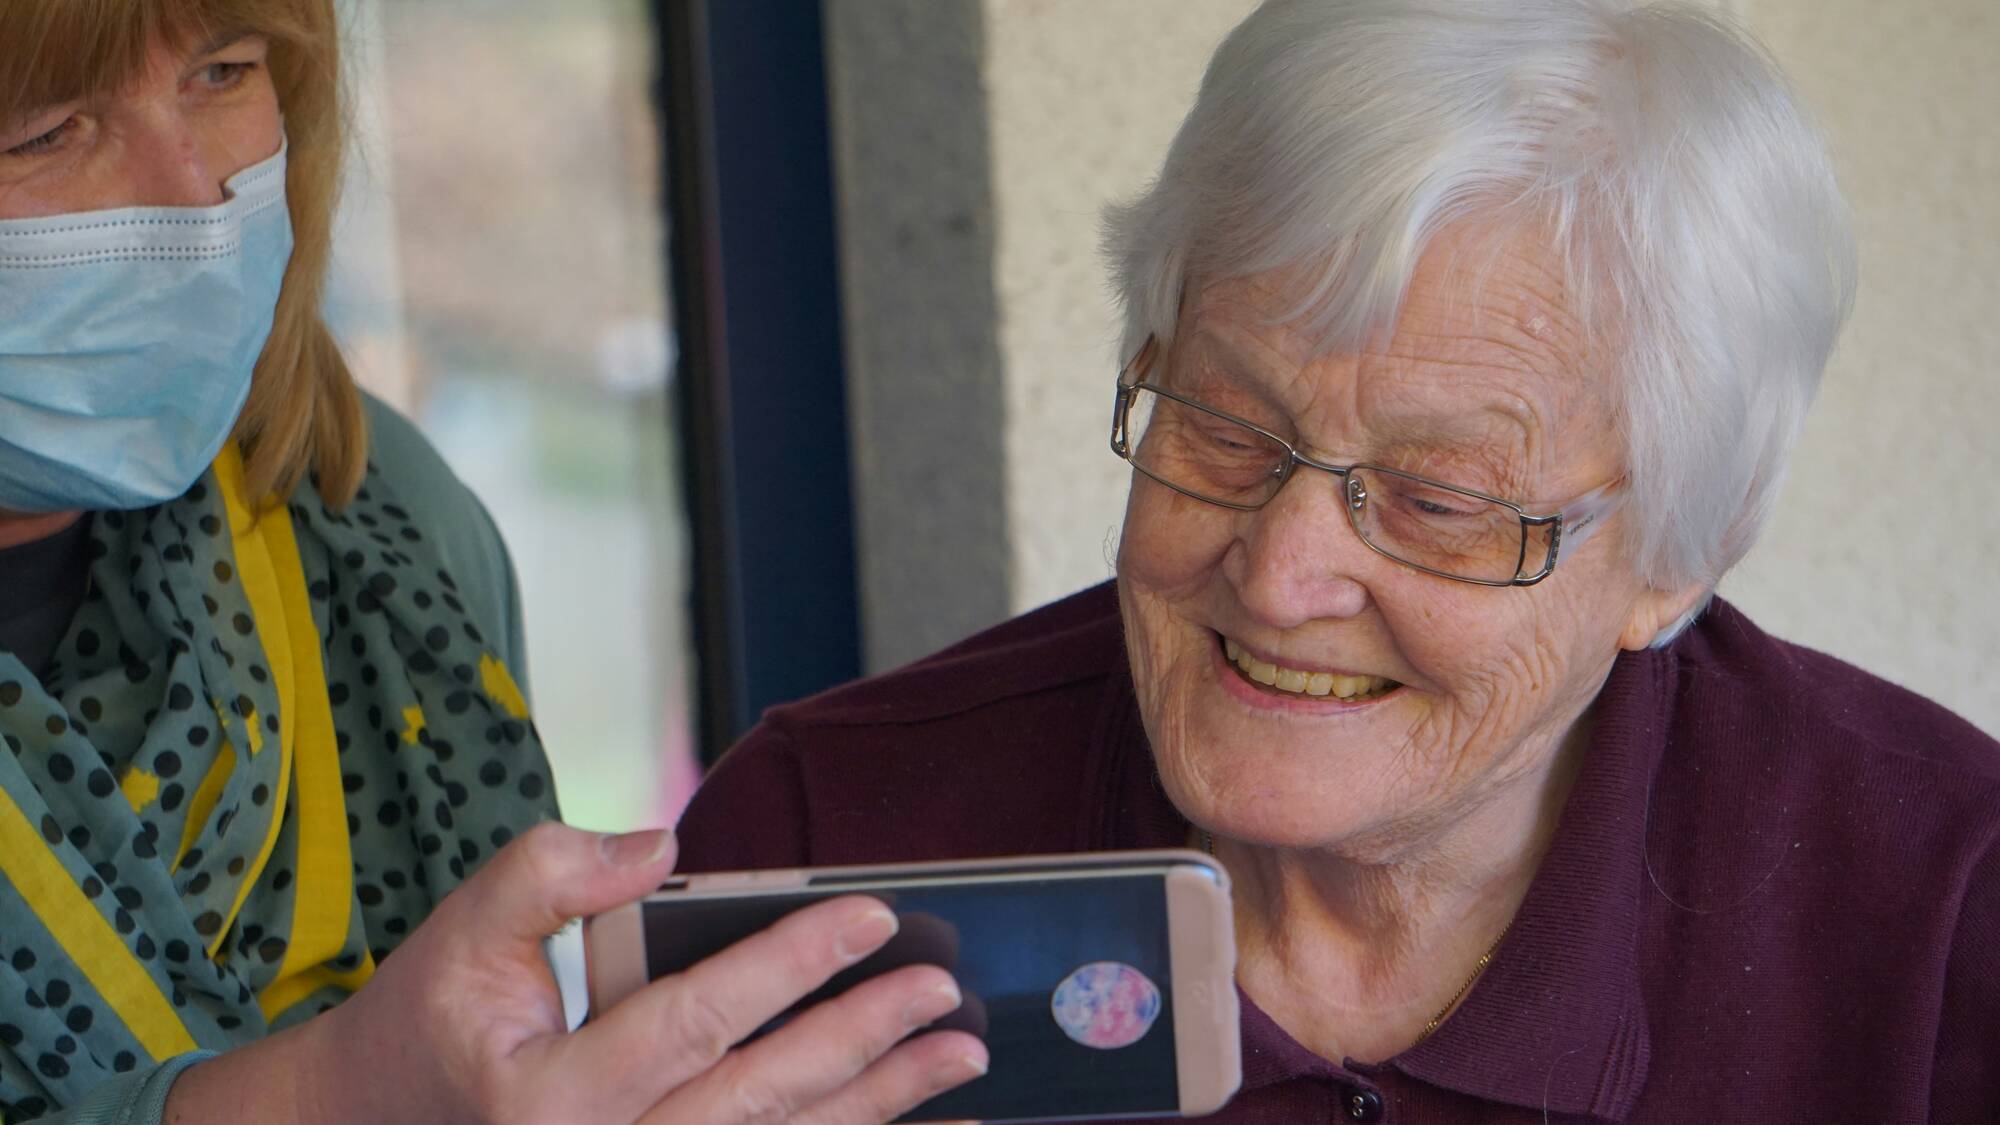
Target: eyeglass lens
1408,518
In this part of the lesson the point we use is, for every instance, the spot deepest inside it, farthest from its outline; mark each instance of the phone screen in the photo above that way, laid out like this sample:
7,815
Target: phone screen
1067,979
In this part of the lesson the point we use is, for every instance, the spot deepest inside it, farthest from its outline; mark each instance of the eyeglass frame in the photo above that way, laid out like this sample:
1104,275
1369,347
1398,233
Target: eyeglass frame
1587,511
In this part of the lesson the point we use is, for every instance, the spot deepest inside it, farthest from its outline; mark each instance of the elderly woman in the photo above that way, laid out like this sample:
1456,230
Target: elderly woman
1466,343
255,644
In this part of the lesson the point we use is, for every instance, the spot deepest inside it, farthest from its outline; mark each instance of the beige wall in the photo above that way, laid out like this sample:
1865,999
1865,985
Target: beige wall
1083,98
1884,547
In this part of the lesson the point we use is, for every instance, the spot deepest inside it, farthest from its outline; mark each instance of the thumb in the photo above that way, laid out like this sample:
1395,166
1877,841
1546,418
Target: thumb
552,873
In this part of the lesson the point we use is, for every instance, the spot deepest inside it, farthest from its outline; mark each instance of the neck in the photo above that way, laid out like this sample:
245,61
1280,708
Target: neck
19,528
1356,947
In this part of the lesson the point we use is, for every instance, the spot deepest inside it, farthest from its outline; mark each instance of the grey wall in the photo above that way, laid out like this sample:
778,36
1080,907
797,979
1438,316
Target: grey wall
913,165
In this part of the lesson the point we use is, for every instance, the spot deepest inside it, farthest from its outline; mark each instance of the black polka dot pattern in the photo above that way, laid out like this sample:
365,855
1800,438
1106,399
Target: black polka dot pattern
153,748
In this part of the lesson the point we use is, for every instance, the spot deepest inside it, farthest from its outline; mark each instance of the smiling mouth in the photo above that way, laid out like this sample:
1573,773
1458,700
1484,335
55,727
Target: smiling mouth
1292,681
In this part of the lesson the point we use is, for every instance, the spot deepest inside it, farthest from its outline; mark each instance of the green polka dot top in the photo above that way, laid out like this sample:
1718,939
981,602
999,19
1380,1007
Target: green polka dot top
267,744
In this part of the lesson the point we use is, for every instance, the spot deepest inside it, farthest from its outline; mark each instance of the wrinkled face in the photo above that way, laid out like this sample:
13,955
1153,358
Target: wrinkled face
1486,386
198,114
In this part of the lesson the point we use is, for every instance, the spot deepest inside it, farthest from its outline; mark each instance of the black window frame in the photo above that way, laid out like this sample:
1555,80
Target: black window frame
761,387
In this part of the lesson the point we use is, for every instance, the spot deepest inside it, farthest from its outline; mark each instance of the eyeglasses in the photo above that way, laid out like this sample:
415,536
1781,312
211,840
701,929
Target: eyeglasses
1438,528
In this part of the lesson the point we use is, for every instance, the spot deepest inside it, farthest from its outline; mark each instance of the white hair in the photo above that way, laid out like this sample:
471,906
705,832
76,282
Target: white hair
1692,202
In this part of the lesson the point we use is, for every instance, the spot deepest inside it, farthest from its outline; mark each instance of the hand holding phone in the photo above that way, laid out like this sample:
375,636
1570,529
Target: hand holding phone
464,1021
1102,984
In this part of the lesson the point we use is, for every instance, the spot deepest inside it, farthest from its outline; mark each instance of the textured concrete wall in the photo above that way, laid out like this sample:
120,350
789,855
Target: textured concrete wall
1084,96
1884,548
912,165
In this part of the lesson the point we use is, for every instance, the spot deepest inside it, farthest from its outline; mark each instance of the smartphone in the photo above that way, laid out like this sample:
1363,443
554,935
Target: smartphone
1103,984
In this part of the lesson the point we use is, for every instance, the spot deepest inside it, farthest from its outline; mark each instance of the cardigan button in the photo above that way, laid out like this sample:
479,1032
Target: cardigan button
1364,1105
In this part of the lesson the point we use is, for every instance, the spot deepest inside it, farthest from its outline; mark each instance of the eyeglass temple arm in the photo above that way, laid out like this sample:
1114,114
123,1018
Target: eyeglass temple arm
1121,439
1140,363
1582,516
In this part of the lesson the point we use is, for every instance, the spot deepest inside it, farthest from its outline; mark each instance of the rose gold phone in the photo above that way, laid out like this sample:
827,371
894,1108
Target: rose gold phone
1103,984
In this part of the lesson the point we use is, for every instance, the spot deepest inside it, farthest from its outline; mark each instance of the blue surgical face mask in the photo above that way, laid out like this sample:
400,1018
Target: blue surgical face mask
127,341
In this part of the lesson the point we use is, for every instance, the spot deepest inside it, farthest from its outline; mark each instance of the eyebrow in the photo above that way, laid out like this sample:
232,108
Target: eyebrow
17,117
1234,356
1244,371
1479,423
222,40
1417,431
1463,437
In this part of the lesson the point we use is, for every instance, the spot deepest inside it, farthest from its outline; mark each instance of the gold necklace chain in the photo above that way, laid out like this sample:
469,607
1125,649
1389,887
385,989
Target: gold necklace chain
1478,968
1486,958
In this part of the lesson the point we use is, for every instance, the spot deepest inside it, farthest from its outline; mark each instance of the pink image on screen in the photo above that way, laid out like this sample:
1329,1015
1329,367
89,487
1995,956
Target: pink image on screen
1105,1004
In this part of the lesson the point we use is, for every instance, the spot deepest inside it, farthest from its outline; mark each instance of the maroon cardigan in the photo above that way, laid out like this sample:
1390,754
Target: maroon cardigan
1774,895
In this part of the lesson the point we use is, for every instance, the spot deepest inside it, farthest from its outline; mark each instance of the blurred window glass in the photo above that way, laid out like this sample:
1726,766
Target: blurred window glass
500,278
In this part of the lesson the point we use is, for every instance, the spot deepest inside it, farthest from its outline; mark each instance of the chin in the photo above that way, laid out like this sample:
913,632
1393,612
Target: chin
1252,765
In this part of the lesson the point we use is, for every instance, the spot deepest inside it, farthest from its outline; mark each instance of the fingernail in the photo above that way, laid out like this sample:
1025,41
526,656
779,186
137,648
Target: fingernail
932,1004
635,849
865,934
960,1068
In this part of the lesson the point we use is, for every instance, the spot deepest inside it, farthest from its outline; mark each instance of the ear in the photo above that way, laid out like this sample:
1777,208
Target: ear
1656,609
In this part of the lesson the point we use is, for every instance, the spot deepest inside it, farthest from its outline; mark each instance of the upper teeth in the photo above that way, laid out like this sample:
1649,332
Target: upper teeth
1304,683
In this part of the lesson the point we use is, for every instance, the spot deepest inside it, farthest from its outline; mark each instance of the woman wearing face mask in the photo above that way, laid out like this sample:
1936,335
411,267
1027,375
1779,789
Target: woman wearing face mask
257,670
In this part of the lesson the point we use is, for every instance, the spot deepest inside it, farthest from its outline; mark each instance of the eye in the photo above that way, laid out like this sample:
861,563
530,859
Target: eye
46,143
225,75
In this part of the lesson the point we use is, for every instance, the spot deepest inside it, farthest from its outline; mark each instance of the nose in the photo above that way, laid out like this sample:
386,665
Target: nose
1297,559
169,163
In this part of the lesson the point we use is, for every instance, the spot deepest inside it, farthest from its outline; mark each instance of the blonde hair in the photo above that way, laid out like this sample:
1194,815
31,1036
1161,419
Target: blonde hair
304,413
